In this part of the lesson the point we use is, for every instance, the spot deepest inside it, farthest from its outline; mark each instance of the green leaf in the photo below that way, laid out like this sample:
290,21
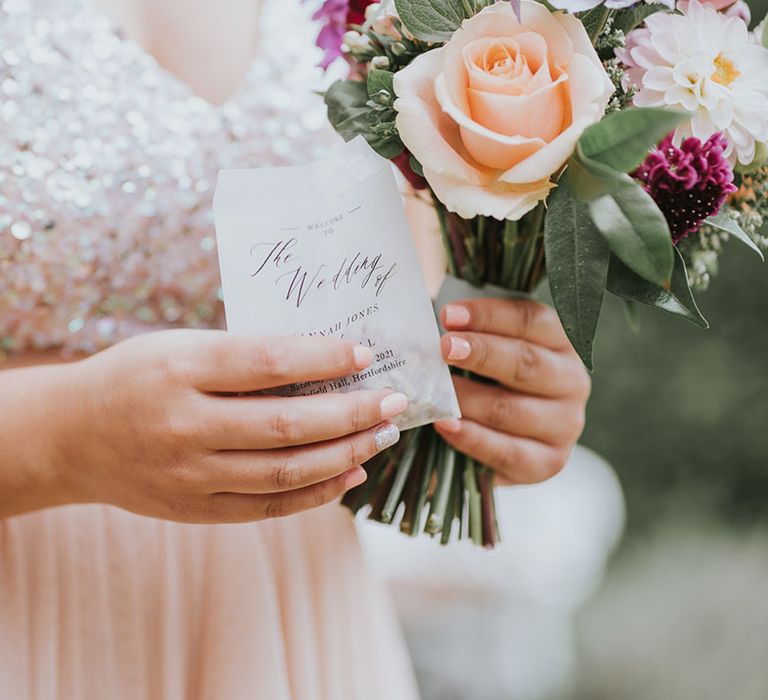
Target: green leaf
593,20
636,231
577,266
416,166
677,300
350,115
628,19
379,80
431,20
764,33
622,139
727,224
347,103
387,148
588,179
630,311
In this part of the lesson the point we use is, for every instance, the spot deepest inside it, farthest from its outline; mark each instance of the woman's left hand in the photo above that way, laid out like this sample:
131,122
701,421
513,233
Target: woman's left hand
525,424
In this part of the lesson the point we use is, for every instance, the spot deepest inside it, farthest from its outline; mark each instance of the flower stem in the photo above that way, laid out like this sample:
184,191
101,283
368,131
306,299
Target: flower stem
401,475
419,483
445,465
451,253
489,528
475,505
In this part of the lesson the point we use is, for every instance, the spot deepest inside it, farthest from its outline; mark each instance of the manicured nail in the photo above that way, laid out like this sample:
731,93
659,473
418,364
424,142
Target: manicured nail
459,348
456,316
354,477
363,356
386,436
449,425
393,405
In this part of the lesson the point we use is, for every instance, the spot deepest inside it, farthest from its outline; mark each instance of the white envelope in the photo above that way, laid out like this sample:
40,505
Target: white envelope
325,249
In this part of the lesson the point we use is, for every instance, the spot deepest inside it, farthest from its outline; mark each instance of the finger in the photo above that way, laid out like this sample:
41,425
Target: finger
275,471
516,460
517,363
241,508
239,363
267,422
555,422
514,318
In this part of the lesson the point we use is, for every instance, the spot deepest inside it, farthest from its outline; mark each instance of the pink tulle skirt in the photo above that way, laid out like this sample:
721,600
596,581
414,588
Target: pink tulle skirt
99,603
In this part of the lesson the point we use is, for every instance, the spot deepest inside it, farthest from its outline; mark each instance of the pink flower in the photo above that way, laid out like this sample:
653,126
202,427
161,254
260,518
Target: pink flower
494,113
336,16
688,183
730,8
703,62
333,15
682,5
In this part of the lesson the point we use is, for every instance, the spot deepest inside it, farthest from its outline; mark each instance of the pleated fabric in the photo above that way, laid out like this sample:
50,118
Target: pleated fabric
96,602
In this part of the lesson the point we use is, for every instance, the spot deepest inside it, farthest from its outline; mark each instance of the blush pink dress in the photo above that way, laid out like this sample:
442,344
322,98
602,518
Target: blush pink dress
107,167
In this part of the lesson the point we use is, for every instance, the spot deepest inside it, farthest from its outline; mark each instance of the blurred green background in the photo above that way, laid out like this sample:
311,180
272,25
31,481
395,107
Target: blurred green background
682,413
681,613
687,409
682,416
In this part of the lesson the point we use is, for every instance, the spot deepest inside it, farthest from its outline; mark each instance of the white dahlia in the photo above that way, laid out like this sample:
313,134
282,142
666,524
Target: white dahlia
705,63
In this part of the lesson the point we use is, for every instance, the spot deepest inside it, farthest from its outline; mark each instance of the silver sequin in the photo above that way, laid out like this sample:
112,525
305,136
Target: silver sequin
108,165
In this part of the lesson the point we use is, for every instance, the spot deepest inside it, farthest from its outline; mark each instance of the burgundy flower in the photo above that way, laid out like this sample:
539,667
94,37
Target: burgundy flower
356,13
688,182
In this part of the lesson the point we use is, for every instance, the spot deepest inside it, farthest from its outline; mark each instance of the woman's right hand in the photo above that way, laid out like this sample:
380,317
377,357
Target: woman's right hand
157,425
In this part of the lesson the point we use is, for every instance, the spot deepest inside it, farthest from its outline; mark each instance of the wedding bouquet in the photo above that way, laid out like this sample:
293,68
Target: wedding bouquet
605,146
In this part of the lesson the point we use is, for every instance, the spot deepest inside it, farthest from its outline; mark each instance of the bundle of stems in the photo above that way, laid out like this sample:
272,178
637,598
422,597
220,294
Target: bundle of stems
422,482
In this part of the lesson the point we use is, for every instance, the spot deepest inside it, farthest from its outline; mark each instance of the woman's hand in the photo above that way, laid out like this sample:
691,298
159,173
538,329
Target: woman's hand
155,425
525,424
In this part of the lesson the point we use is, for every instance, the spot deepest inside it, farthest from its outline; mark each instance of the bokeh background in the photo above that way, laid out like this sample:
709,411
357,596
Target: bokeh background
678,610
682,416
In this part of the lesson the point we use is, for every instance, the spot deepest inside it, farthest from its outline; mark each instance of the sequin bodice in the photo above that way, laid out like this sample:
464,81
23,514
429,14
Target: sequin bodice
107,170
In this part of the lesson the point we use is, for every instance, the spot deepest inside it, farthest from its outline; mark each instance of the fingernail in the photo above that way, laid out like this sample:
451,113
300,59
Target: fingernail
354,477
459,349
456,316
449,425
393,405
363,356
386,436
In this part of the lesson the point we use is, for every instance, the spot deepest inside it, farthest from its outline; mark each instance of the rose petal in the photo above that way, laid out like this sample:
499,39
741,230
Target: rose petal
499,20
487,147
589,95
434,100
512,83
538,115
530,52
425,129
498,200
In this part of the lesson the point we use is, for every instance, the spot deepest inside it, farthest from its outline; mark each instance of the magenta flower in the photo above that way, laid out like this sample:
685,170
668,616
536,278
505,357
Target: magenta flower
333,15
688,182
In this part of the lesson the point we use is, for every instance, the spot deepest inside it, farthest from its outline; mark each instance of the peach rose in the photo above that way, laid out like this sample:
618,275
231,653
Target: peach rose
497,110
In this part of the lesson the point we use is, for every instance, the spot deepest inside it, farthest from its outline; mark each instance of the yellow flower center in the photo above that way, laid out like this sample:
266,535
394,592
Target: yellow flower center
725,72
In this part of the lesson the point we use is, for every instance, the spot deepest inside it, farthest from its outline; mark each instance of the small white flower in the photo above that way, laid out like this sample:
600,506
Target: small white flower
380,62
355,41
372,11
705,63
380,17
